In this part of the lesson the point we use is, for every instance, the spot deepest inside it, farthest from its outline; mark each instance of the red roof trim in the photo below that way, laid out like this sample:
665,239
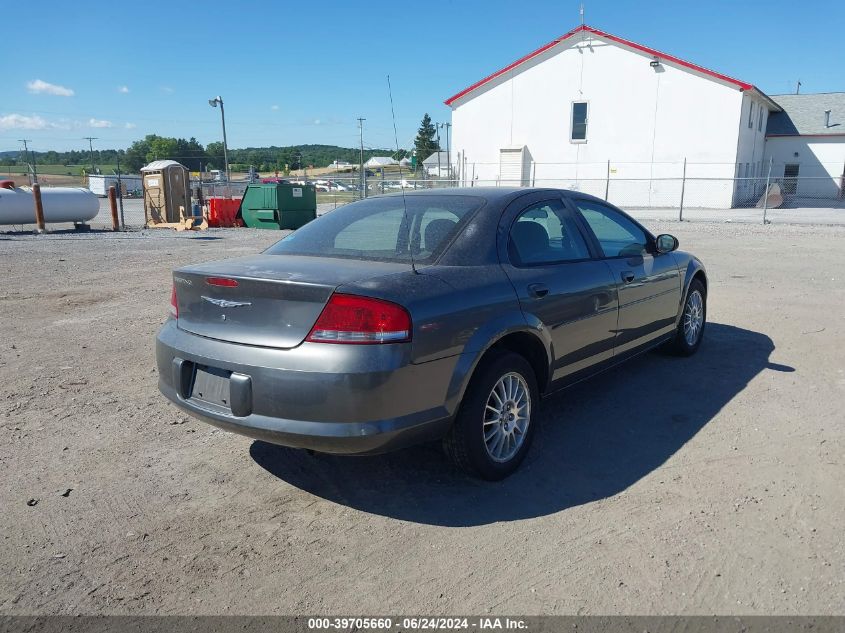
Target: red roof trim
644,49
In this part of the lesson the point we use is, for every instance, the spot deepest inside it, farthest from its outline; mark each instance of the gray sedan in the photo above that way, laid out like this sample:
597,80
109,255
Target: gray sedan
434,314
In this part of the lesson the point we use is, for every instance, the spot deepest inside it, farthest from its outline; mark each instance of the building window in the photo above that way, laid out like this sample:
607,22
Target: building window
760,120
751,114
578,130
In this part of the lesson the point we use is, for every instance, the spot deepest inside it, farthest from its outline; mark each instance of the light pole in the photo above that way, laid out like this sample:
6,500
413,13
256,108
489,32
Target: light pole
448,150
213,103
362,177
437,128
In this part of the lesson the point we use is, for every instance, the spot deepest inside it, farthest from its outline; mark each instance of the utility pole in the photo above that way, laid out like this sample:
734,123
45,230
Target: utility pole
361,178
91,140
26,158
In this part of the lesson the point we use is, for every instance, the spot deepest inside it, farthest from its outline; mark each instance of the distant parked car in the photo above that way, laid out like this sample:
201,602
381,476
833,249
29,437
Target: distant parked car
431,314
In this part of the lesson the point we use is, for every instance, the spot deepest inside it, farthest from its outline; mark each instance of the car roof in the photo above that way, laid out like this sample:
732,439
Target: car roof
498,194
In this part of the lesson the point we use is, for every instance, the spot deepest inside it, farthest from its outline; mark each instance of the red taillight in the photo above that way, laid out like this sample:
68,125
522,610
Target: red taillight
221,281
174,306
354,319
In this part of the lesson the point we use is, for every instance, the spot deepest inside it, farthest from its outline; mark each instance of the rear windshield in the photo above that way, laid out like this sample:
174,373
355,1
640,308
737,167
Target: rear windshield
383,229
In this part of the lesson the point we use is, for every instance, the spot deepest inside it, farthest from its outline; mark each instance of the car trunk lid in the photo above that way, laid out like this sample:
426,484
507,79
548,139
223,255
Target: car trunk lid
264,300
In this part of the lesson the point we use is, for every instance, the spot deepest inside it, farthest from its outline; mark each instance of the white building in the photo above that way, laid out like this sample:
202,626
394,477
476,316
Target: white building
438,164
595,112
806,145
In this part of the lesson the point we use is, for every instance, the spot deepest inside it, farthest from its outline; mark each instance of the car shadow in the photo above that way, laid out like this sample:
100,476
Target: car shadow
594,440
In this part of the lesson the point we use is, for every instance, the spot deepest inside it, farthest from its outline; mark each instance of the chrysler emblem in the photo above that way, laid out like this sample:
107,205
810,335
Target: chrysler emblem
225,303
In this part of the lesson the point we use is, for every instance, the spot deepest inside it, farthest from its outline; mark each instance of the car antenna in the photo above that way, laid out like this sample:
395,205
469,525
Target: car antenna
401,186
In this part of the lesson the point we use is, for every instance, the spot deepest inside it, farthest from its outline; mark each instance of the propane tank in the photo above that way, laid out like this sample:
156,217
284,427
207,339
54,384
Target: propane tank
61,204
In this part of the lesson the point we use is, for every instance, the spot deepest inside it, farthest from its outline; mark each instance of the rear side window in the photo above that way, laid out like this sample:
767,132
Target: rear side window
545,233
383,229
617,235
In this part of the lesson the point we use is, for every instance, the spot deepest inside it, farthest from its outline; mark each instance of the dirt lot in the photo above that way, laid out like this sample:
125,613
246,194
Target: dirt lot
706,485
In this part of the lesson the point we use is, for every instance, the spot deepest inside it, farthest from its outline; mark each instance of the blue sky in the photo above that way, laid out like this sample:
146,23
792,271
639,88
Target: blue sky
298,72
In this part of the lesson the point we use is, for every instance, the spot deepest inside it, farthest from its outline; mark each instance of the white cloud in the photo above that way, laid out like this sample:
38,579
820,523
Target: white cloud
99,123
166,89
42,87
274,107
23,122
316,121
124,90
130,126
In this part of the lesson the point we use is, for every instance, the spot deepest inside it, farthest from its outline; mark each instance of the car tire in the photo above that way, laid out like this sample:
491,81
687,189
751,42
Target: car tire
483,442
685,342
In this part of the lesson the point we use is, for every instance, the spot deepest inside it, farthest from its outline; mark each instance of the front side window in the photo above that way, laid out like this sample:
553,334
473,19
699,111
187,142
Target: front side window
578,128
545,233
383,229
617,235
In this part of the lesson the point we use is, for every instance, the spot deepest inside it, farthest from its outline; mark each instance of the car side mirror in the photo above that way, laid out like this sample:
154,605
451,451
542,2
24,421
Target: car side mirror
666,243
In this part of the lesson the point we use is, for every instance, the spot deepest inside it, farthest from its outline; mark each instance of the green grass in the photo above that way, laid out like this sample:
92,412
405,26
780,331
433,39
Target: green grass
56,170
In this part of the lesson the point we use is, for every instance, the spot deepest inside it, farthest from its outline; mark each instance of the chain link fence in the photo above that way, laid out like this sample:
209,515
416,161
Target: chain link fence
680,191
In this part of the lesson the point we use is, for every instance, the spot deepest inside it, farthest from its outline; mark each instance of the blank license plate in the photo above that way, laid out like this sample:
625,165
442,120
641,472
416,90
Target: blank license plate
211,385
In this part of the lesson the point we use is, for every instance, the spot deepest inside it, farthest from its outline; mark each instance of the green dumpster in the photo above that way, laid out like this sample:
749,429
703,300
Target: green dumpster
278,206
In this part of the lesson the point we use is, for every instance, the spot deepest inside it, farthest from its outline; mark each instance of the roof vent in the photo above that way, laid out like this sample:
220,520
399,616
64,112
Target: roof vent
827,118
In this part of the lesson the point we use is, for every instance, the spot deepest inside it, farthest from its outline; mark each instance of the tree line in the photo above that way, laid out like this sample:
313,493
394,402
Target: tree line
194,156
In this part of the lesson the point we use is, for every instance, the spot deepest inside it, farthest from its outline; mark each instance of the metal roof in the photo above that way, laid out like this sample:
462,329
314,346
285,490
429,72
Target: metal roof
663,57
158,165
804,115
375,161
432,160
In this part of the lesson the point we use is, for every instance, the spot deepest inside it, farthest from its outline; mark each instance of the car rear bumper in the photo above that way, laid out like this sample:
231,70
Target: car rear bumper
351,399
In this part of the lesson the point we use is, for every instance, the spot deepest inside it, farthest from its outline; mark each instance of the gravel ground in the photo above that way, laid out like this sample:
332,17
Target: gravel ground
713,484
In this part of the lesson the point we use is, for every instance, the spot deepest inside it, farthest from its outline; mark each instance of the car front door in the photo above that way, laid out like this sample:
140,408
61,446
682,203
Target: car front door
648,283
559,282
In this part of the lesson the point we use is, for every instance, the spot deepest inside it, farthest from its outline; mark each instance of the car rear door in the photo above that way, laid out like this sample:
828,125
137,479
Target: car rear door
648,283
560,284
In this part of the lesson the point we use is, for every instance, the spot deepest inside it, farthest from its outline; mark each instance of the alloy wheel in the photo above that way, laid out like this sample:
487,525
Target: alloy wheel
507,415
693,317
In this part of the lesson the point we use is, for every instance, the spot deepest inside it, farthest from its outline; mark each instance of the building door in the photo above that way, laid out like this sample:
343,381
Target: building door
790,178
512,167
